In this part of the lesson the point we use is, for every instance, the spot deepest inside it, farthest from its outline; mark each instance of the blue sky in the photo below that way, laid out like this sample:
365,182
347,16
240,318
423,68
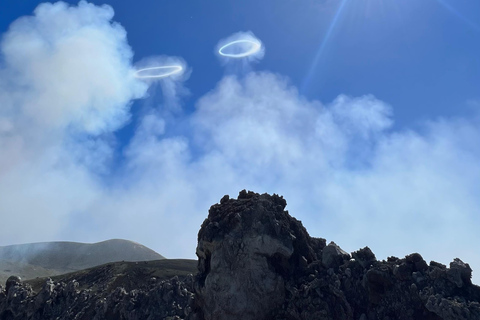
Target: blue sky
364,114
419,56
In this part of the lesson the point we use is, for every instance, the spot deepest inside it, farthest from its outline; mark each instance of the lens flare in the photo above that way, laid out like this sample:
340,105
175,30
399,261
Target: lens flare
254,48
457,13
158,72
321,49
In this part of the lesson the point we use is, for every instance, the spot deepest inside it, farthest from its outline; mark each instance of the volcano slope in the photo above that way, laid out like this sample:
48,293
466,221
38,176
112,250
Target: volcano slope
43,259
255,261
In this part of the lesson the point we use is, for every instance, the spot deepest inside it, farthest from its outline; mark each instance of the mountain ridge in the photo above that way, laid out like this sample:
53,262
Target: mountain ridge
40,259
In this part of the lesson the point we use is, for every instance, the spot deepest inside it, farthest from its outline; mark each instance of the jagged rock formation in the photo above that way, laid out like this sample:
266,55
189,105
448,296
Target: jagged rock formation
247,248
110,292
255,261
167,299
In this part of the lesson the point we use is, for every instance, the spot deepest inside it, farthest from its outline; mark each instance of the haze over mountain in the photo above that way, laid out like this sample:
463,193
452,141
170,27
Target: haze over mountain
52,258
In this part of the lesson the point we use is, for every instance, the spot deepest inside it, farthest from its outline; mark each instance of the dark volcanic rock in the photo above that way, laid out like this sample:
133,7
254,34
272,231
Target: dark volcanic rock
168,299
258,262
122,290
247,249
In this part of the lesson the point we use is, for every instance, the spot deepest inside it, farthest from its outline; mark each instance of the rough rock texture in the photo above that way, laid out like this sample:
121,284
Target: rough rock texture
247,249
257,262
159,289
168,299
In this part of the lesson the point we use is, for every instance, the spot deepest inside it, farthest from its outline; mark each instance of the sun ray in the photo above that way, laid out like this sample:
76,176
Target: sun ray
323,44
449,7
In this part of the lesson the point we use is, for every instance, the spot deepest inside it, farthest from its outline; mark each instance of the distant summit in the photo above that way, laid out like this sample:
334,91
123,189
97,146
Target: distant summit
50,258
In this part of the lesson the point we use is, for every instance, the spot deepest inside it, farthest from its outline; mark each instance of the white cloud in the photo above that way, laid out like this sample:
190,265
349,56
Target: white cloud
66,84
342,171
70,66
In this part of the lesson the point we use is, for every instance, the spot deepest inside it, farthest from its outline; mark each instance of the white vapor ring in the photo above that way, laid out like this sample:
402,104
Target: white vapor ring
255,46
176,69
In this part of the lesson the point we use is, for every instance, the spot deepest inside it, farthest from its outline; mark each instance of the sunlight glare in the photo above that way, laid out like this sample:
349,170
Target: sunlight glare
447,6
323,44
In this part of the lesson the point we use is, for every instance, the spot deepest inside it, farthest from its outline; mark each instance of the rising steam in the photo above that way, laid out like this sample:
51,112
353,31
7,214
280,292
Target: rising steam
67,84
242,46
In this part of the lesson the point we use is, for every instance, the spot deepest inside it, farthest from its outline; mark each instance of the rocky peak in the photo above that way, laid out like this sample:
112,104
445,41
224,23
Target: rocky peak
247,248
255,261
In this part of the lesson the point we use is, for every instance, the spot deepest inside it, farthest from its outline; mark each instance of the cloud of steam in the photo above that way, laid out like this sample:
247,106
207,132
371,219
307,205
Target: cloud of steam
344,172
239,48
68,66
171,87
66,85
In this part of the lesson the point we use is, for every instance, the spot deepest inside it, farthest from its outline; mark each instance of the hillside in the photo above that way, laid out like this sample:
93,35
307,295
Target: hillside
128,275
52,258
157,289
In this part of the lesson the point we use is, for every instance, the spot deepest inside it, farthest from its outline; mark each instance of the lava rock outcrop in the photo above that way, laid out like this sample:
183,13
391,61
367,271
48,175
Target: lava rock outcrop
247,249
168,299
258,262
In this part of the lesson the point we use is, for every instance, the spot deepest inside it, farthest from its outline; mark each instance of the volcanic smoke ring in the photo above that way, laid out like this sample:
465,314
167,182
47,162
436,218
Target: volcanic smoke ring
175,69
255,47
